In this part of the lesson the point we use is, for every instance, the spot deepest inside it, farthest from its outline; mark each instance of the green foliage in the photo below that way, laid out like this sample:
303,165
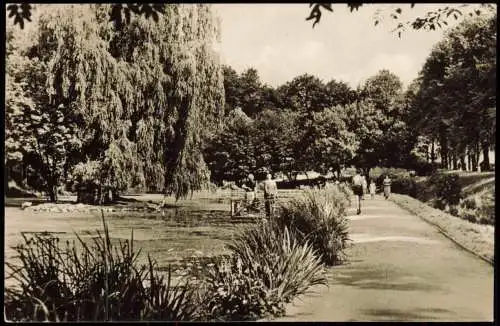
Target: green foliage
328,141
233,294
132,97
431,21
231,154
319,218
404,185
478,209
246,91
276,134
267,269
39,133
91,282
447,186
305,93
457,94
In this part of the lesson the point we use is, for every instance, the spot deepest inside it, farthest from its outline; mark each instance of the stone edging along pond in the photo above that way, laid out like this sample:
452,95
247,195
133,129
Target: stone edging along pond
475,238
83,208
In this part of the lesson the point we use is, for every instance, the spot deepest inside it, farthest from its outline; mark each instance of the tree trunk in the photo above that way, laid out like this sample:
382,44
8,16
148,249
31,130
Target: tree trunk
444,161
52,192
486,157
433,153
463,166
477,152
473,161
455,162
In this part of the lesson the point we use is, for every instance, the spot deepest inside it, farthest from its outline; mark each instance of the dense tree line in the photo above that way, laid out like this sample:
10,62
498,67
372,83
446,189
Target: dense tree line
454,105
309,125
447,113
103,107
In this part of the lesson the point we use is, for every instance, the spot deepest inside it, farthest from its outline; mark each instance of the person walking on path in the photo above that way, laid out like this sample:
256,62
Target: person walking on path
365,186
270,194
250,187
387,187
373,188
357,188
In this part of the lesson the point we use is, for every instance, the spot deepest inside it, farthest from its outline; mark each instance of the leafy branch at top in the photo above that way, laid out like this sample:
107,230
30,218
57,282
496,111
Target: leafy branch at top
432,20
20,13
119,13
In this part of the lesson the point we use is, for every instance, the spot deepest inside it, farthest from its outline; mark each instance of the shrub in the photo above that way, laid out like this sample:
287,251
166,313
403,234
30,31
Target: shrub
401,181
487,210
404,185
439,204
231,293
267,269
319,217
469,203
454,210
447,186
470,218
100,282
481,206
423,168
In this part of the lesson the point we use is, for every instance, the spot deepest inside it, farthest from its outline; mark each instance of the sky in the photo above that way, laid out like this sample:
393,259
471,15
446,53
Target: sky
278,41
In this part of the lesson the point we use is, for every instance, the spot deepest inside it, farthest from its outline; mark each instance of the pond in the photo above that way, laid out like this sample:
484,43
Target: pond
185,234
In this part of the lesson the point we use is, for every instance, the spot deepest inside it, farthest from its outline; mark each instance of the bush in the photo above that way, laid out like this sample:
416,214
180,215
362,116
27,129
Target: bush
232,293
66,284
454,210
401,181
447,186
481,206
319,217
469,203
404,186
424,168
267,269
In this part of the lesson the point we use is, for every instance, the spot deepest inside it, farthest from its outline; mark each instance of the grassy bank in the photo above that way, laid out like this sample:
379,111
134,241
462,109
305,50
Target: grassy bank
478,239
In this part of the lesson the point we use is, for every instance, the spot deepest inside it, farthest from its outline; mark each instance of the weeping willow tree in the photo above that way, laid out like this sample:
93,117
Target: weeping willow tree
145,95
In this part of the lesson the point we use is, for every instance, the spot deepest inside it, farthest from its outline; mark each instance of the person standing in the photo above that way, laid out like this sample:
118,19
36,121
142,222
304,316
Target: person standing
270,194
373,188
357,188
250,187
387,187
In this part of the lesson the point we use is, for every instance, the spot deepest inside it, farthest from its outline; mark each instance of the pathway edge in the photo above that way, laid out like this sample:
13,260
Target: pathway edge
443,231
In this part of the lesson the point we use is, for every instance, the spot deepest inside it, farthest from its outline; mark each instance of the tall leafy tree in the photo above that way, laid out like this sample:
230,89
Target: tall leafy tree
340,93
305,93
331,144
276,133
383,90
232,89
231,153
40,134
246,91
378,120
